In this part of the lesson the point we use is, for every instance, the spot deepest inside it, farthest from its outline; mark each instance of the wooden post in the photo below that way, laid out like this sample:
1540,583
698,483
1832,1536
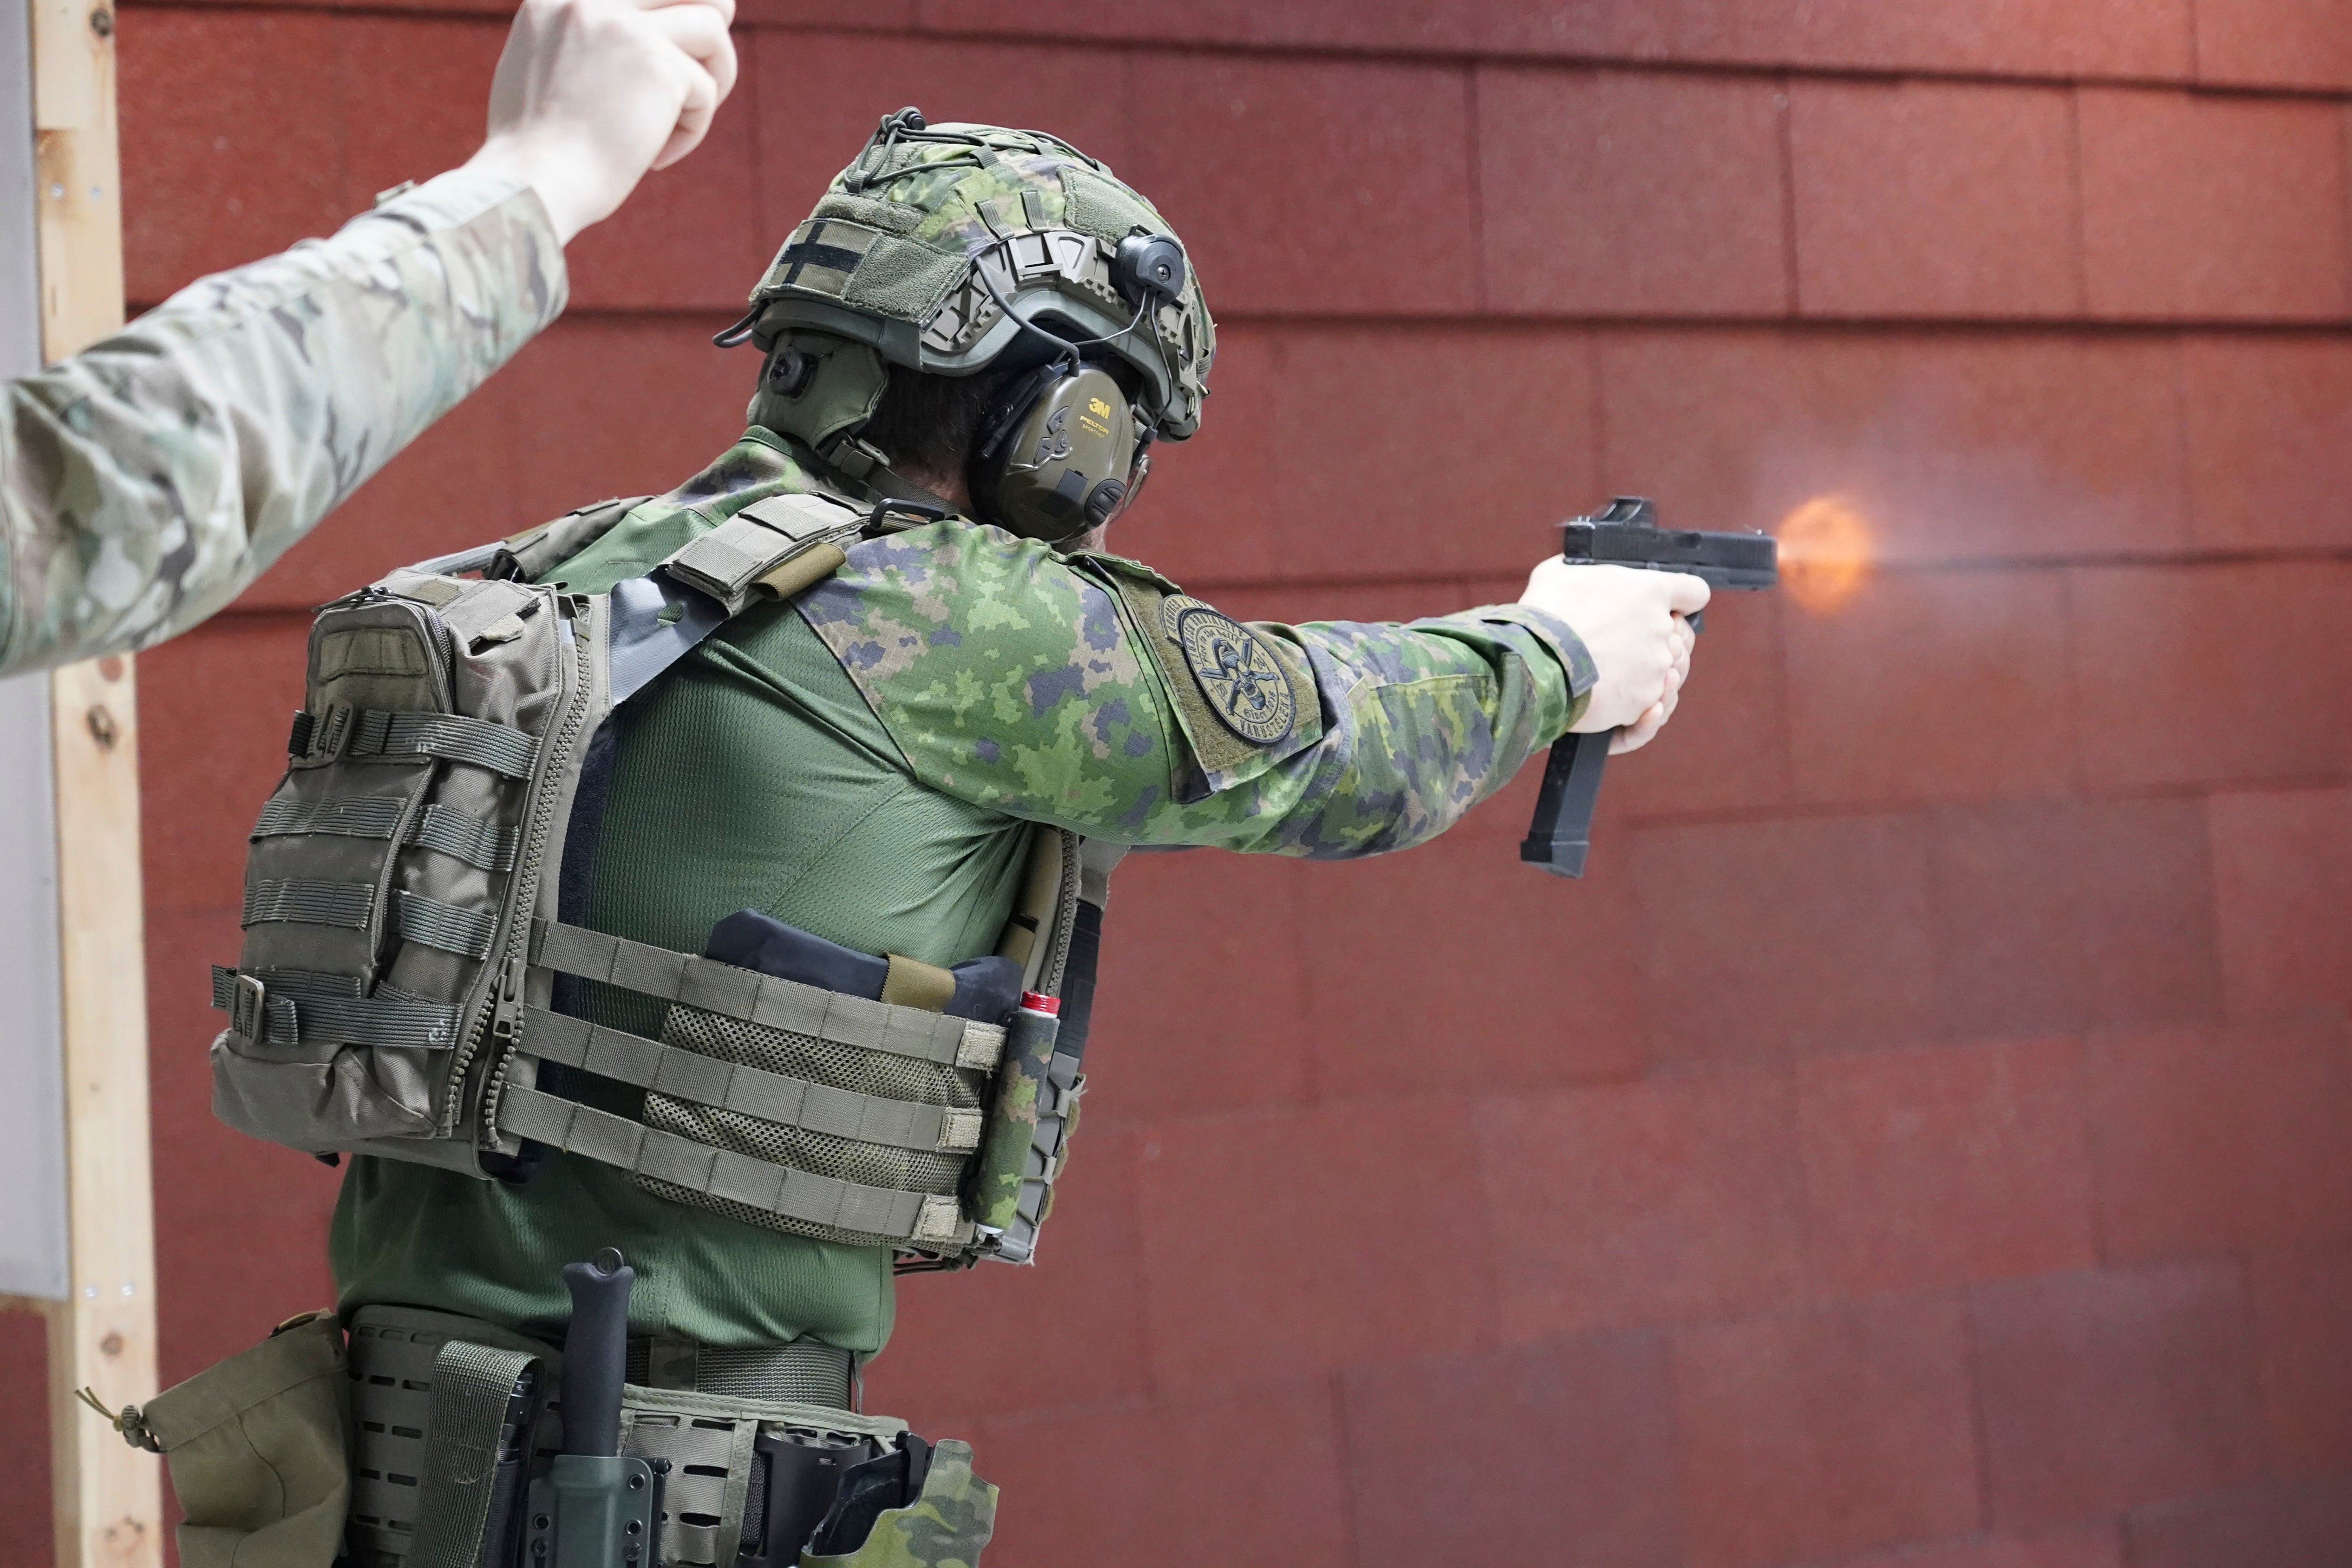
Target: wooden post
109,1495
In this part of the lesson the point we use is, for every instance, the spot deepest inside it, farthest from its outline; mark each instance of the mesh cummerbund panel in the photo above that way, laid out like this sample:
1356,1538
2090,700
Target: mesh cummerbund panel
822,1061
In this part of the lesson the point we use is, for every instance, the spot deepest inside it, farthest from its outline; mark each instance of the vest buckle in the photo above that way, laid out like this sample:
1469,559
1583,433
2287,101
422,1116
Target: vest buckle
249,1009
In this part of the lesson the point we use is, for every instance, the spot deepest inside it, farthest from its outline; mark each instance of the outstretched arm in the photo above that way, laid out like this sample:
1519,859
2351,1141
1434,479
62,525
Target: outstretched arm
145,481
1091,693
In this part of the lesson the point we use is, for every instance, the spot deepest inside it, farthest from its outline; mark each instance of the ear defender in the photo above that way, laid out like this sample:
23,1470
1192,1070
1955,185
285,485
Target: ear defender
1057,455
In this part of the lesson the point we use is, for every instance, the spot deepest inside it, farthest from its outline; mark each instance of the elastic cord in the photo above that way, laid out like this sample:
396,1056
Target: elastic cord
1066,349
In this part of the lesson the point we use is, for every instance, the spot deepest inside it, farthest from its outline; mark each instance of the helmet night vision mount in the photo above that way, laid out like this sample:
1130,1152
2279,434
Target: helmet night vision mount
956,249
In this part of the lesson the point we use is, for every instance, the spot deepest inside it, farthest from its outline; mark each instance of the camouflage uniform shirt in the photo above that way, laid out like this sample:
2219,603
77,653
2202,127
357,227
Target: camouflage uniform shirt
866,763
146,480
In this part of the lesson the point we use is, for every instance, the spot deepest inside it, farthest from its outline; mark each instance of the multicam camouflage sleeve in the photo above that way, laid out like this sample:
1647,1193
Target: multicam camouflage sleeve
1092,693
146,480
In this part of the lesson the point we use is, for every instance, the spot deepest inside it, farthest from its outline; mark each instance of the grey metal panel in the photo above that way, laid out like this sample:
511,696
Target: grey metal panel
32,1247
20,287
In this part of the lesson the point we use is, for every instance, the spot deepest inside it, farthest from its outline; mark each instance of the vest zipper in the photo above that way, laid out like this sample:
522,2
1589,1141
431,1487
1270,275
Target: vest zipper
501,1022
1050,974
505,1022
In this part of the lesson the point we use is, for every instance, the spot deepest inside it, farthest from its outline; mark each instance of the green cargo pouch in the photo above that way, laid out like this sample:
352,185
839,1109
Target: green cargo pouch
947,1524
258,1450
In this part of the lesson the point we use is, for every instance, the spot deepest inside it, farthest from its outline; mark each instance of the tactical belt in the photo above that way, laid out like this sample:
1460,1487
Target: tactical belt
431,1392
804,1372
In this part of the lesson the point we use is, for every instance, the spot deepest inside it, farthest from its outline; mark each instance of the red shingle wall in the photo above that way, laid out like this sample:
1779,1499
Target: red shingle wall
1928,1126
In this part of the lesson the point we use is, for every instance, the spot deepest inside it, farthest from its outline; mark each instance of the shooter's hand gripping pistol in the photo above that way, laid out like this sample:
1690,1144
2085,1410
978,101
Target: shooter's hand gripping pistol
1627,534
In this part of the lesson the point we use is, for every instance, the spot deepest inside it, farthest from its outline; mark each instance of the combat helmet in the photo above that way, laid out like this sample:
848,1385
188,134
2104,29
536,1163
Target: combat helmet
956,249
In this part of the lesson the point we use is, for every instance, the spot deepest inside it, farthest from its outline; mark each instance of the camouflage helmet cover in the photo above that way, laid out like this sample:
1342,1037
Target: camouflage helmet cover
920,247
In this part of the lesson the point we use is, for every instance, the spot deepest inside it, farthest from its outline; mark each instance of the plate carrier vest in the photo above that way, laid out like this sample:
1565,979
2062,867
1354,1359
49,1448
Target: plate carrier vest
395,993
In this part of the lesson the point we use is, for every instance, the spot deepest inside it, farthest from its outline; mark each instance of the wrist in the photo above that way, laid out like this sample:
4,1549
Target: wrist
516,158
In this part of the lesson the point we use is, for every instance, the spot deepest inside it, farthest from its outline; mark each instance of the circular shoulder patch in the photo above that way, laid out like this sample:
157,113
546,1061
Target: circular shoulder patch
1245,687
1173,608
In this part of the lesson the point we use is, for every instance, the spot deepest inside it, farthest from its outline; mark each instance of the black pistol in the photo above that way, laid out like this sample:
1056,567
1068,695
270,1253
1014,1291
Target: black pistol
596,1508
1626,533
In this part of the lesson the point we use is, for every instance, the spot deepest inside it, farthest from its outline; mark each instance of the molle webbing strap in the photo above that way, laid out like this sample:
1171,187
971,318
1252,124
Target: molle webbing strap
468,932
919,1219
764,999
349,905
453,737
296,1008
770,1096
481,845
371,817
260,1016
345,904
474,1389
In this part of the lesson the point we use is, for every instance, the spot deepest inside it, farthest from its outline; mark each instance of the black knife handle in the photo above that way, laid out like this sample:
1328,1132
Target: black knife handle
595,1354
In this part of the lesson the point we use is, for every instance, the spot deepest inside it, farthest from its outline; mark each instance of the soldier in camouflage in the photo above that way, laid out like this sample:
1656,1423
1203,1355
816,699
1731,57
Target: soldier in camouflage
146,480
869,761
